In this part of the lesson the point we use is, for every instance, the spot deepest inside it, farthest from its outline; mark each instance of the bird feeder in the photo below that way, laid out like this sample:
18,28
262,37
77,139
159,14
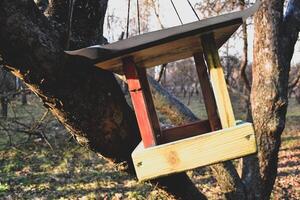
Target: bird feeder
172,150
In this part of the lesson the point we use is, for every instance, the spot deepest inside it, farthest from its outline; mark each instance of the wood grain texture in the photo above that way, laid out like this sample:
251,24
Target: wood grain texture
165,51
185,131
207,92
182,155
142,75
218,82
139,103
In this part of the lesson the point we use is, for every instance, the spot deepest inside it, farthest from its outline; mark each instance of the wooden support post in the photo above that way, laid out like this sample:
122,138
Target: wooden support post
218,81
208,94
142,102
142,73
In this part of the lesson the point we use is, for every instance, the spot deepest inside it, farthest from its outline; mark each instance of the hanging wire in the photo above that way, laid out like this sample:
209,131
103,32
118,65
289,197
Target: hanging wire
193,10
176,11
138,16
128,15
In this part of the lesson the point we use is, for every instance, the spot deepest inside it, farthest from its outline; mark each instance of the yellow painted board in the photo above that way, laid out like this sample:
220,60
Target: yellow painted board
190,153
222,97
218,82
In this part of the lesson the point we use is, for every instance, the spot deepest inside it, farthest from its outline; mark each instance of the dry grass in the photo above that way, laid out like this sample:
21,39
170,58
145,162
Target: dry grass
30,169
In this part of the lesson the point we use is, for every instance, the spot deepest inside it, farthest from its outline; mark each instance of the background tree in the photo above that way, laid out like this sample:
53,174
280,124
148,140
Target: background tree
275,38
7,89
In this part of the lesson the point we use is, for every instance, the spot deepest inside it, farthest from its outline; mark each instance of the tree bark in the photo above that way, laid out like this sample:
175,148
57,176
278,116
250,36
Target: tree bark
275,37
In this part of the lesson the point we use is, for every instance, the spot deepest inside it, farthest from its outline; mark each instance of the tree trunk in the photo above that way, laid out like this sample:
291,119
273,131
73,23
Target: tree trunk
76,92
275,37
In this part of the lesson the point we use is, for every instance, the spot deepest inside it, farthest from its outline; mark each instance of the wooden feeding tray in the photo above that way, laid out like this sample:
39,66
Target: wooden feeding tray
167,151
193,152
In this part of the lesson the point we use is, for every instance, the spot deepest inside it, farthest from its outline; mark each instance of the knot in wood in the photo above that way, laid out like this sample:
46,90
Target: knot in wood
173,158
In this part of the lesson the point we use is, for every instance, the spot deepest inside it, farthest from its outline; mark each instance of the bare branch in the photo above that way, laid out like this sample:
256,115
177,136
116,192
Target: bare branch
290,29
157,14
294,82
162,71
244,62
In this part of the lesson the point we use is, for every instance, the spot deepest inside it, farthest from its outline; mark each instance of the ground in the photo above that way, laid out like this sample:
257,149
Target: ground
54,166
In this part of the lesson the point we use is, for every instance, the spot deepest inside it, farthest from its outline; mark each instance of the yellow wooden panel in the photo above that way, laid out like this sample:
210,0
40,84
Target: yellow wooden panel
190,153
218,81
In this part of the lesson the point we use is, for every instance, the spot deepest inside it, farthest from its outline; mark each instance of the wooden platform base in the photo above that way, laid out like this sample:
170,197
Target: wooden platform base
190,153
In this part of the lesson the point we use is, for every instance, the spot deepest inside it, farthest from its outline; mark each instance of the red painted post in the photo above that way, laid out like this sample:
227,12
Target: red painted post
145,114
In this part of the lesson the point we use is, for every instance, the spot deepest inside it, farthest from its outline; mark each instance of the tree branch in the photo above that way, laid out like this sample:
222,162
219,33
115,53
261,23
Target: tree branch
87,21
244,62
162,71
289,30
294,82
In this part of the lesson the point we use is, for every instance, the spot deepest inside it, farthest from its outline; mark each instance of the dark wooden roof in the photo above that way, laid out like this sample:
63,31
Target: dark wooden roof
167,45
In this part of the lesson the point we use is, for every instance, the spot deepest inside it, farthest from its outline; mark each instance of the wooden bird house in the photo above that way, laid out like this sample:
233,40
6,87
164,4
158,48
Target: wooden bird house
177,149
